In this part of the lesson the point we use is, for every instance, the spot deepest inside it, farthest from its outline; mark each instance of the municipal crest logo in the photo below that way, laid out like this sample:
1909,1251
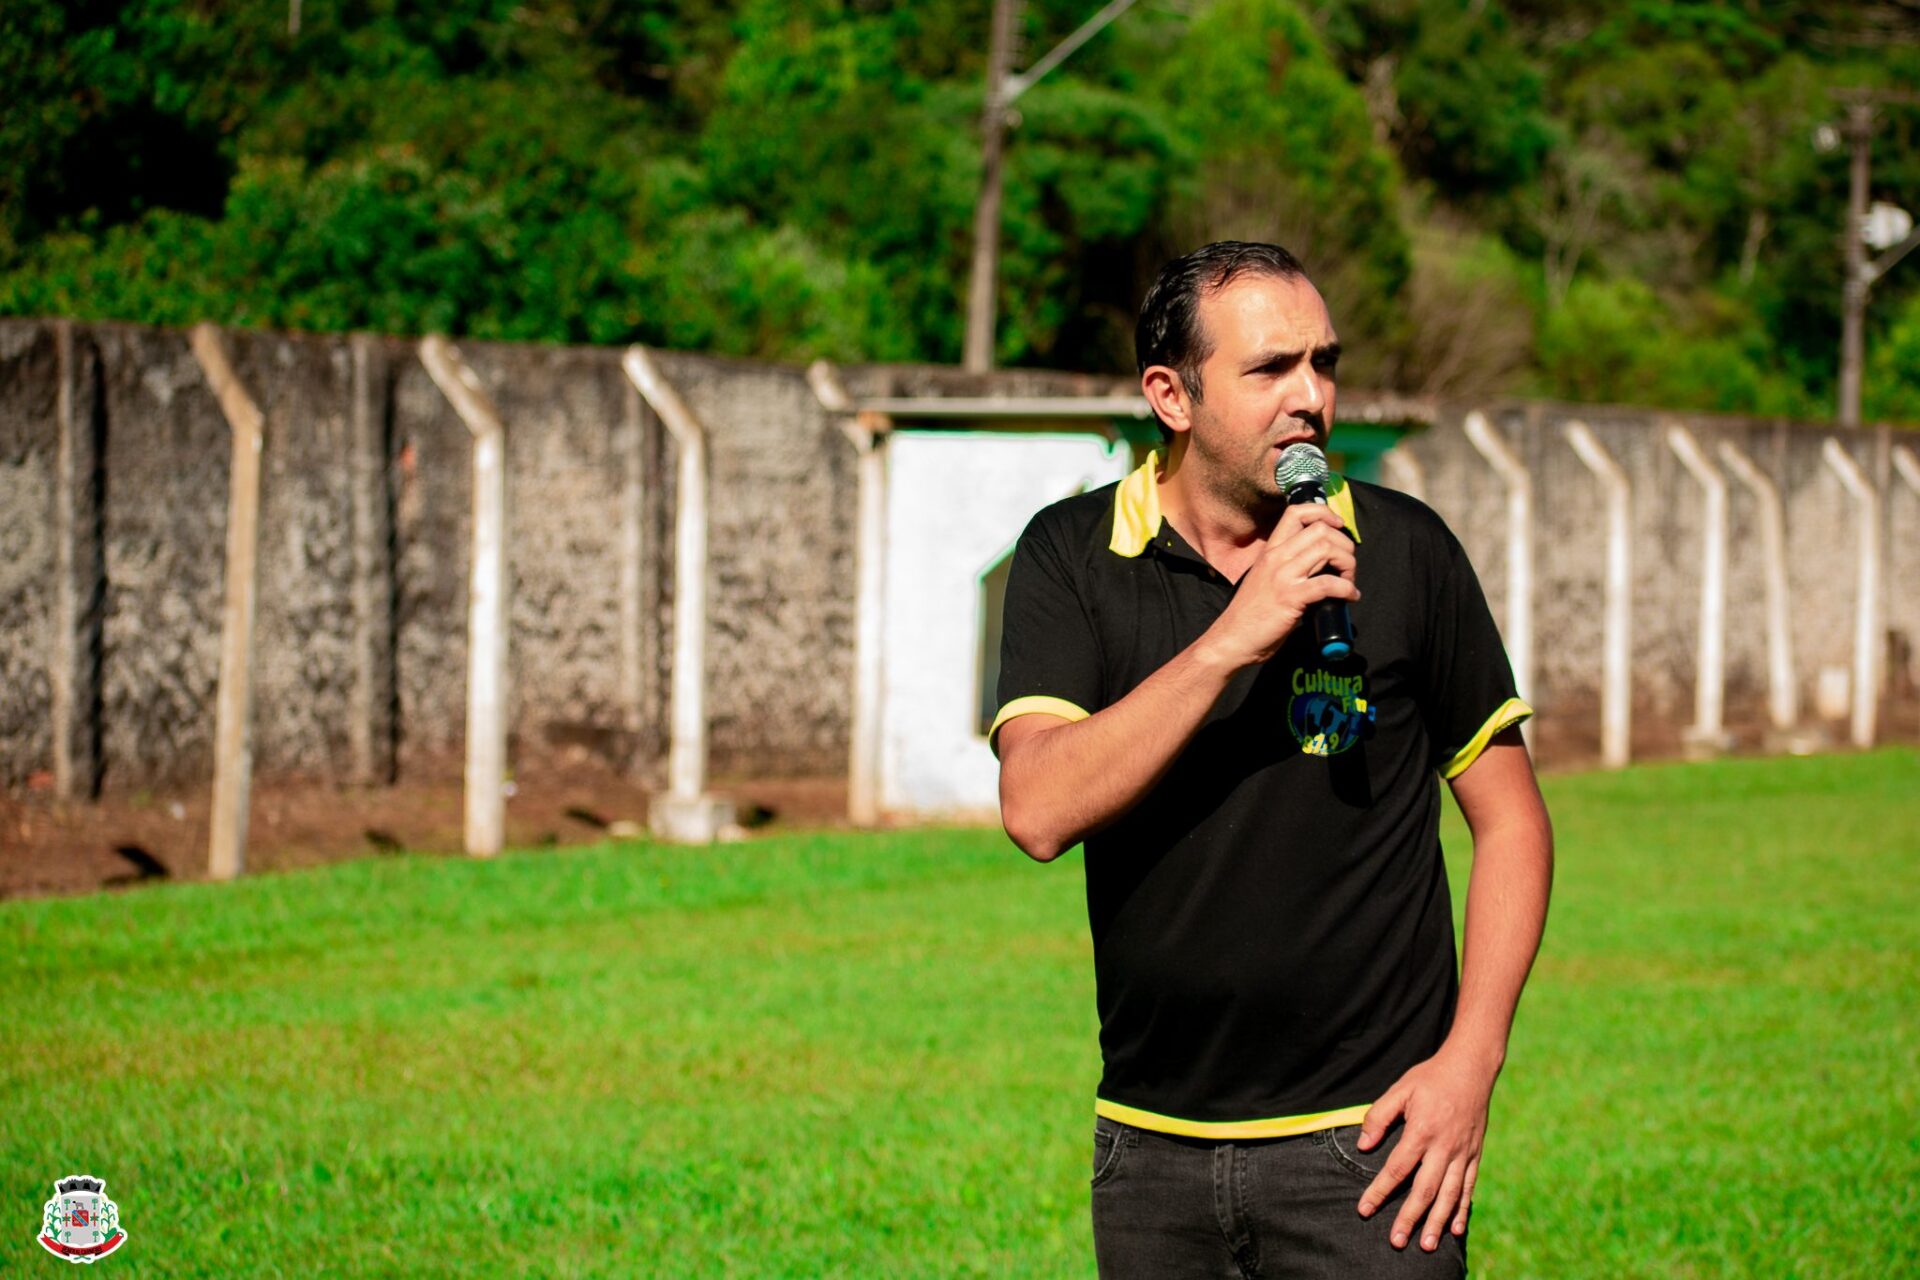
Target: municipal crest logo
1329,713
82,1225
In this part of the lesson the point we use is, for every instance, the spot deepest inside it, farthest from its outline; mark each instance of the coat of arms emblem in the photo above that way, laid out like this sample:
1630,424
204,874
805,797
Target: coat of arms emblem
82,1225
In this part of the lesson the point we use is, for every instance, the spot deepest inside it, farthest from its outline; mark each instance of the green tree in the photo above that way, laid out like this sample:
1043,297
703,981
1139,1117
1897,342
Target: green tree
1586,198
1282,150
1891,391
1449,82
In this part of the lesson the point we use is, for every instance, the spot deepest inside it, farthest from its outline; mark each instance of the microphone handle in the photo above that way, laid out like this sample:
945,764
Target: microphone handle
1332,624
1332,629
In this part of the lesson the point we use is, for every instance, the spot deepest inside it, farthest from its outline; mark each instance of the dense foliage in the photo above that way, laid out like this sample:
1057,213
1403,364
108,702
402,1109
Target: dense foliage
1597,200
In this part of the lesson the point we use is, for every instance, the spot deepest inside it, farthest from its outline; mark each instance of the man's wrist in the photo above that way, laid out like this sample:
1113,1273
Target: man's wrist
1488,1054
1210,657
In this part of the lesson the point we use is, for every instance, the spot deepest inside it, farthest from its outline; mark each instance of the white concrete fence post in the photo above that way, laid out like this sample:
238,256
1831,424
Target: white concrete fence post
1709,667
686,814
233,728
868,433
1616,680
1519,620
1866,617
1402,470
486,597
1907,463
1783,690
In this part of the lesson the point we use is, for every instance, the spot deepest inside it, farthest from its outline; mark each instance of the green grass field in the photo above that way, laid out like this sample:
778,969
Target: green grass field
875,1055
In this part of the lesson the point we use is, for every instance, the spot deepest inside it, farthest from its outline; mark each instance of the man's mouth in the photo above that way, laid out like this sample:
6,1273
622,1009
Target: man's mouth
1307,432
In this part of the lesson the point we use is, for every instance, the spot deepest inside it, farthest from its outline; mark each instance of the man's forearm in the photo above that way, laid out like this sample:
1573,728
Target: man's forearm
1060,786
1507,894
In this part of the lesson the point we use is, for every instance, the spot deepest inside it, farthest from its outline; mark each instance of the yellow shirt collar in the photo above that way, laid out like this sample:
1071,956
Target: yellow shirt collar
1136,507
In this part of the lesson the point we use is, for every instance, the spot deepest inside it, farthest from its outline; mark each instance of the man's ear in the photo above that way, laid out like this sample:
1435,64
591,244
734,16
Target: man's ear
1166,393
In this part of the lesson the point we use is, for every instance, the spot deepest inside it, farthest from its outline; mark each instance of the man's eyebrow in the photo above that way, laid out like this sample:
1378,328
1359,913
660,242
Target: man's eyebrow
1268,359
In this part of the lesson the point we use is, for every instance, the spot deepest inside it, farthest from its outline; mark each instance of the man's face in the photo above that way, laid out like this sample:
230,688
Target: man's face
1269,383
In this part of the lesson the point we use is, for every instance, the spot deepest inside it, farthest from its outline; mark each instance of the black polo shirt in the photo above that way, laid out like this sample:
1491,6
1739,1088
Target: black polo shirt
1272,931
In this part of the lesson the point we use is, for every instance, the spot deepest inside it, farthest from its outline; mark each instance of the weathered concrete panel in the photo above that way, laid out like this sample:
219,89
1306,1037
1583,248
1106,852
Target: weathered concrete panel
29,471
433,499
166,460
1902,596
781,568
303,660
563,415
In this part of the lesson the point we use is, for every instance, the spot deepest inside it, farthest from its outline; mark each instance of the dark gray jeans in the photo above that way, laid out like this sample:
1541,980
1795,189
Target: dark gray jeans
1165,1206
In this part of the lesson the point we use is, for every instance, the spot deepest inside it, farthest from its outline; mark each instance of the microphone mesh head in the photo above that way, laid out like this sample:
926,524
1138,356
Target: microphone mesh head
1300,464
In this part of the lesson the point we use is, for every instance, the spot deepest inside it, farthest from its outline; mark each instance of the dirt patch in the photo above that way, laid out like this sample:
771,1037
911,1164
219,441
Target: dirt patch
1568,741
49,846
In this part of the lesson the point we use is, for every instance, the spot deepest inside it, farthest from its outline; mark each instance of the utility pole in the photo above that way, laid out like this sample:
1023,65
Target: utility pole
1002,89
986,212
1853,314
1861,273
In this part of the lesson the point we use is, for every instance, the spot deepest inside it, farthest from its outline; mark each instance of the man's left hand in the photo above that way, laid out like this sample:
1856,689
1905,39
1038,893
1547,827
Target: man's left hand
1444,1100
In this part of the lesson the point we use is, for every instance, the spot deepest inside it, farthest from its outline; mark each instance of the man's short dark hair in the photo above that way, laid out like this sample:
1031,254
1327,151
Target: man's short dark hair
1169,331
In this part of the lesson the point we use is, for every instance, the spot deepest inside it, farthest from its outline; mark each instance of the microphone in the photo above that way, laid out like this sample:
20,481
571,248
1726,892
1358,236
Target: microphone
1302,476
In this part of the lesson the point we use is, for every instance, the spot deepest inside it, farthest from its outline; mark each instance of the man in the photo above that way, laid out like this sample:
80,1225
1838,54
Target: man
1295,1082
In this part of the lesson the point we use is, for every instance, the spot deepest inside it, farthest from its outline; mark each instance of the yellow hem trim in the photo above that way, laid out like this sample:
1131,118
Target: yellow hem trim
1277,1127
1136,509
1511,712
1033,703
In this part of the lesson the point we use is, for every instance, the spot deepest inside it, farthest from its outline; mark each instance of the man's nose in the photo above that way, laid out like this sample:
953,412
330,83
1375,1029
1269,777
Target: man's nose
1306,395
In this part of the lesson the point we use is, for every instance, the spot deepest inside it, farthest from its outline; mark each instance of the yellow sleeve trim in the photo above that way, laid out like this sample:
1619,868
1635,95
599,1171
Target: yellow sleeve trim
1029,706
1277,1127
1511,712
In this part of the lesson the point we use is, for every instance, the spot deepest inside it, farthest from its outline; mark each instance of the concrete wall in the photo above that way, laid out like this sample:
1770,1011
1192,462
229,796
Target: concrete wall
360,644
1667,530
590,479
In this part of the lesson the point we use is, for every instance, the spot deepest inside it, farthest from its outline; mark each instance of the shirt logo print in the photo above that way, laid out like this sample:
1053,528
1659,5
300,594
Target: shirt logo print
1328,713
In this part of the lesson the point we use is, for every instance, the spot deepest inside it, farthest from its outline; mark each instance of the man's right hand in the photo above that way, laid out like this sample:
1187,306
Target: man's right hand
1283,582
